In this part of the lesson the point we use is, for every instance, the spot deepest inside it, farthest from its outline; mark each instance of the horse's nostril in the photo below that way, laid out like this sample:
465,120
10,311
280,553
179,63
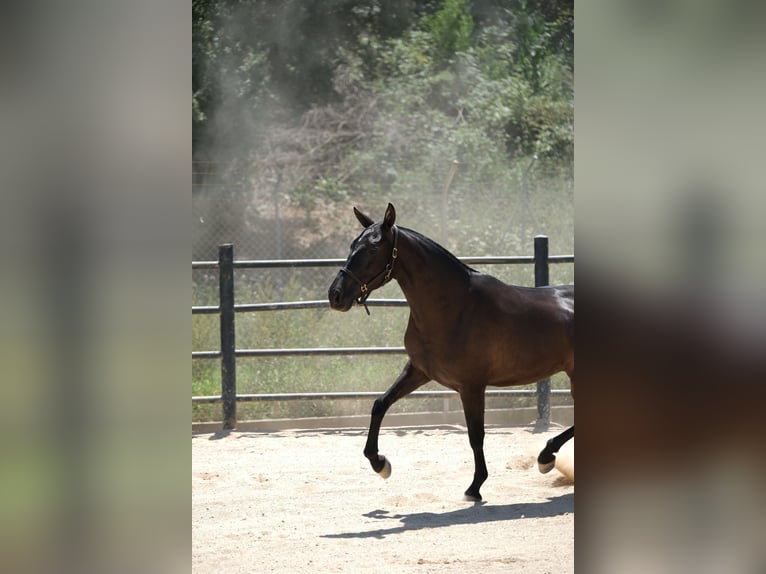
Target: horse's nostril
335,297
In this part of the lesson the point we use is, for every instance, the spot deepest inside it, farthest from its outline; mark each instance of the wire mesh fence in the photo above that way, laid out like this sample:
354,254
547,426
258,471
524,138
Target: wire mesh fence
477,215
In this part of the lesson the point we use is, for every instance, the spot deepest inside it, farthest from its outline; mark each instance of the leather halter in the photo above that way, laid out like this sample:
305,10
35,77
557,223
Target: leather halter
364,285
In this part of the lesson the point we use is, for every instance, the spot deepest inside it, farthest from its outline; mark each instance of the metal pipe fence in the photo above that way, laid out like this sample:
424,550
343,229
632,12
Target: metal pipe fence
228,353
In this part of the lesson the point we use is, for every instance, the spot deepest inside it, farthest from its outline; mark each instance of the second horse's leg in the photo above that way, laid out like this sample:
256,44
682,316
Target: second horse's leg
410,379
546,460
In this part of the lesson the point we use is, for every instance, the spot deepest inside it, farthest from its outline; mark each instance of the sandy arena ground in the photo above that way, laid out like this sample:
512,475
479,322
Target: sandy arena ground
300,501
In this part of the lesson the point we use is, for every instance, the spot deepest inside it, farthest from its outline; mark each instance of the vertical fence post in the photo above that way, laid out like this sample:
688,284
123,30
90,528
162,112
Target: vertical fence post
228,359
541,279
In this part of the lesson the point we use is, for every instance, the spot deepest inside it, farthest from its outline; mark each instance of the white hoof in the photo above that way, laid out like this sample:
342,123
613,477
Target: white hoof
547,467
385,472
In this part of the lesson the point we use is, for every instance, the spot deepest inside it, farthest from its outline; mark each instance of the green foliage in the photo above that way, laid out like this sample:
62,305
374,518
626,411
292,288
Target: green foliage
257,63
450,28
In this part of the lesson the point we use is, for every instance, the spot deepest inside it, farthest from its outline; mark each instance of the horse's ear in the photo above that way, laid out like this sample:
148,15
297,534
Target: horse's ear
390,217
363,219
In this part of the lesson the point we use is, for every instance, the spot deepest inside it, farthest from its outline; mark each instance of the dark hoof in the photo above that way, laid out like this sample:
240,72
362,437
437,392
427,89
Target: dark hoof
546,467
546,462
381,465
472,496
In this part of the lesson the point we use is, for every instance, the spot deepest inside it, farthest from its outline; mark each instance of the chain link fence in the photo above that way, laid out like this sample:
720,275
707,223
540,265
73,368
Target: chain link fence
264,219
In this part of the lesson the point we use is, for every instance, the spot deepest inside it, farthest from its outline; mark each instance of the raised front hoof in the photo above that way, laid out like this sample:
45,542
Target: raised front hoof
546,461
385,472
547,466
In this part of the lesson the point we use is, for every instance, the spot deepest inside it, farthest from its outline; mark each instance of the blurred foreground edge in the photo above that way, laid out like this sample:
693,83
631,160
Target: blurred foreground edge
670,402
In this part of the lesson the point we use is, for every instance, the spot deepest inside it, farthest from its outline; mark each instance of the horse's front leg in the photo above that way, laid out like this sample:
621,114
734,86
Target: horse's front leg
473,408
410,379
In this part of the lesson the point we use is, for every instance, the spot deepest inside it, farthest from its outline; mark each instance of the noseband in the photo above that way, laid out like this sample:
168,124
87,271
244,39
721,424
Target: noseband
366,290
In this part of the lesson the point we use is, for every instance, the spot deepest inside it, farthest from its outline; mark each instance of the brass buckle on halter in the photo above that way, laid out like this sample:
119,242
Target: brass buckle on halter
390,266
363,298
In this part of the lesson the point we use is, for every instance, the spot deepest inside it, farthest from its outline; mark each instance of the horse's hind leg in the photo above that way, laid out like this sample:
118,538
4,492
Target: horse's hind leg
473,408
546,460
410,379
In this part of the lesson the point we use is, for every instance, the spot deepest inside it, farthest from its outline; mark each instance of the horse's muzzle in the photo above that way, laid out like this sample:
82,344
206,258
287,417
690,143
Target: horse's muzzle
339,298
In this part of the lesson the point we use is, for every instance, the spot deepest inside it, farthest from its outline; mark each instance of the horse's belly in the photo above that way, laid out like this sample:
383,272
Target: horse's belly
454,370
457,369
474,357
524,369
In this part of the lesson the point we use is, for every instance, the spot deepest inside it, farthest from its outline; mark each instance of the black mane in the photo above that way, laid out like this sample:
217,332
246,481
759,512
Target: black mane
438,250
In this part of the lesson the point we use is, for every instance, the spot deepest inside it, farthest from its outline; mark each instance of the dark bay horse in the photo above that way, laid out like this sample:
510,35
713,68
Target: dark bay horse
466,330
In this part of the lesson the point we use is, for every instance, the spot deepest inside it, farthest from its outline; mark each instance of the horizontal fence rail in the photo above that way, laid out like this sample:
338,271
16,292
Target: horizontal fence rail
358,395
213,310
292,263
228,354
325,352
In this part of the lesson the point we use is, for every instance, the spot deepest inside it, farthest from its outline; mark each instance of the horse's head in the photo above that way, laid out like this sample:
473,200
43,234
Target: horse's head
370,262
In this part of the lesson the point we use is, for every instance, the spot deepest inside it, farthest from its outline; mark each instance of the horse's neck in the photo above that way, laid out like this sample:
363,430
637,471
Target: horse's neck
433,282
